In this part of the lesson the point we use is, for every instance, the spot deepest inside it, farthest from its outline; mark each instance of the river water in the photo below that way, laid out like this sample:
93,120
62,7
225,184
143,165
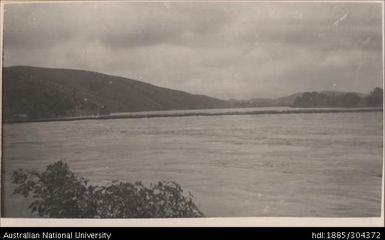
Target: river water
286,165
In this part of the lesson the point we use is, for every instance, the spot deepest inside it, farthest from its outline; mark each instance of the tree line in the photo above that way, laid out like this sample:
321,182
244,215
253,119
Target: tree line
346,100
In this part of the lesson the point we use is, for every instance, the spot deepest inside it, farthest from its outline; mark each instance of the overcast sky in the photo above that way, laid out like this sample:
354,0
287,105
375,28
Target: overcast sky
226,50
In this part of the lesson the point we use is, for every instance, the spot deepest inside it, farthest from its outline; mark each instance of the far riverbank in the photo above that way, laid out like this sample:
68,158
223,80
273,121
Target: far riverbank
205,112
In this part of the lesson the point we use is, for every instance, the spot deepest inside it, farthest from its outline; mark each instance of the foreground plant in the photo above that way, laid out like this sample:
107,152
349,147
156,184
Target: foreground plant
60,193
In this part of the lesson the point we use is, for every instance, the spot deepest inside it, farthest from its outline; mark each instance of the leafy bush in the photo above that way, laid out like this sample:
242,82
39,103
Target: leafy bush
59,193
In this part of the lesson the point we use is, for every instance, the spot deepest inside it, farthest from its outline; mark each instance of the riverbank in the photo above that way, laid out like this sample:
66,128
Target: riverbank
188,113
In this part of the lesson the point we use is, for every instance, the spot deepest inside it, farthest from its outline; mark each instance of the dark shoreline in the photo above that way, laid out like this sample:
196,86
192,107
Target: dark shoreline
189,114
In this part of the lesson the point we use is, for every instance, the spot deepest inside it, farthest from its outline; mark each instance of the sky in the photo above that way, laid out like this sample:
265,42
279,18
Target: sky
226,50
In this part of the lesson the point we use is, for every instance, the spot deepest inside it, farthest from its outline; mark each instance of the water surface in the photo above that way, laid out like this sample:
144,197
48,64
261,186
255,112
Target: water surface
288,165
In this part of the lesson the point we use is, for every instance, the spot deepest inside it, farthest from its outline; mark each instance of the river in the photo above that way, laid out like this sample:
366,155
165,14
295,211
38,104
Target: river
286,165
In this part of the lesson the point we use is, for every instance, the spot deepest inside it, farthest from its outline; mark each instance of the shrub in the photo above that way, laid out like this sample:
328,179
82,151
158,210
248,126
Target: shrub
59,193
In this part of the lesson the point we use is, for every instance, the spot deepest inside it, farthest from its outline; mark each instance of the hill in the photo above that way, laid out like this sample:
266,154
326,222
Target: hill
338,99
284,101
41,93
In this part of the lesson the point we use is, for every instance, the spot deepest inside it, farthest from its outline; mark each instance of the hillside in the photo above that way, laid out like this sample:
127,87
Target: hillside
32,93
327,99
40,93
286,100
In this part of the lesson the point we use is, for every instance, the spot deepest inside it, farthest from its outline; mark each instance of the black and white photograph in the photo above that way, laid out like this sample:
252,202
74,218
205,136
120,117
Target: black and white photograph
192,109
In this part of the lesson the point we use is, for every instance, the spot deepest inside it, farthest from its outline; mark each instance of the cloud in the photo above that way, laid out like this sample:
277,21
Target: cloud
226,50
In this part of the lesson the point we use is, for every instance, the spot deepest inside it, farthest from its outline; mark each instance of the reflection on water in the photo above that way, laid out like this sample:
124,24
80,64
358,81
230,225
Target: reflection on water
294,165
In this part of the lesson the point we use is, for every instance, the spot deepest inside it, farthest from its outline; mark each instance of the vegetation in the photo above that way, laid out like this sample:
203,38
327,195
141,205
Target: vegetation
31,93
375,99
346,100
60,193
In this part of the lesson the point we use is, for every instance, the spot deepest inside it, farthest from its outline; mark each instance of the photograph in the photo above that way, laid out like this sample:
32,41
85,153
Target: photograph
192,109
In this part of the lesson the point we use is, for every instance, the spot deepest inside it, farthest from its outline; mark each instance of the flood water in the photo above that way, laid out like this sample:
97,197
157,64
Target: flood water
287,165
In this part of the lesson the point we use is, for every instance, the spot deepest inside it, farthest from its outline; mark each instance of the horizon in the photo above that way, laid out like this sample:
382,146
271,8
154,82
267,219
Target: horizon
223,50
229,99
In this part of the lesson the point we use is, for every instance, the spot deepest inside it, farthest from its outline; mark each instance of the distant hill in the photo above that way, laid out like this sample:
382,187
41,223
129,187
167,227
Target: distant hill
32,93
330,99
284,101
39,93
